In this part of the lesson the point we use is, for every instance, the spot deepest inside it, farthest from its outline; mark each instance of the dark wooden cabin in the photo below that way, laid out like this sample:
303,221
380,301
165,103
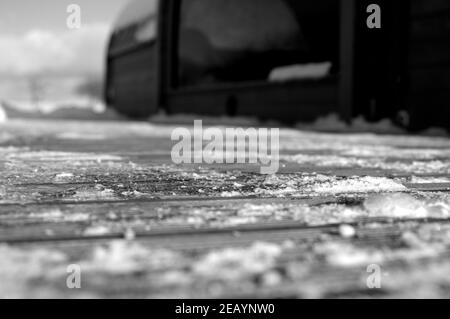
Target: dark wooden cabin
290,60
428,95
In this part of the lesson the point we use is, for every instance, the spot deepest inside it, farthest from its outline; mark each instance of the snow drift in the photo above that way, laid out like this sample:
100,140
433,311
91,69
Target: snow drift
3,116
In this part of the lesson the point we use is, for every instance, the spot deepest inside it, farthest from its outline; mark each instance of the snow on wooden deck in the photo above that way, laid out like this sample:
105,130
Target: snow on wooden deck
106,196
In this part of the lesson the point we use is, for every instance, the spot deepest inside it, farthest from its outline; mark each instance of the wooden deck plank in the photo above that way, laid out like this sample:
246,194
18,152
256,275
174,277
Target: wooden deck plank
299,266
107,196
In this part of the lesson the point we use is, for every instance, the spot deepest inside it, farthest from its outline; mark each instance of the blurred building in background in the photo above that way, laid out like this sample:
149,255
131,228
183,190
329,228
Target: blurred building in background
282,59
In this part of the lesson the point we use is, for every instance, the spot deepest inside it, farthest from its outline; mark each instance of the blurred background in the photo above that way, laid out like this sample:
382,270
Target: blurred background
46,67
288,61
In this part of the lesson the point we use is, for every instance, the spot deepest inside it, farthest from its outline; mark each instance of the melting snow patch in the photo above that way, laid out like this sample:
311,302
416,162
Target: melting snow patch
230,194
57,216
359,185
234,263
63,177
81,136
96,231
134,194
124,257
106,194
300,185
429,180
50,215
395,206
347,231
348,255
63,156
77,217
333,123
404,206
19,267
380,162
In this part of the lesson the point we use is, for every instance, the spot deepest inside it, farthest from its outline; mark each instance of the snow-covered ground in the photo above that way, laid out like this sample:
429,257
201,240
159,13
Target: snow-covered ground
328,123
77,108
332,123
348,196
84,108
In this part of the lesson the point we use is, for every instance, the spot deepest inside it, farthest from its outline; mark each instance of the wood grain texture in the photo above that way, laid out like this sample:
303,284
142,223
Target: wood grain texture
107,197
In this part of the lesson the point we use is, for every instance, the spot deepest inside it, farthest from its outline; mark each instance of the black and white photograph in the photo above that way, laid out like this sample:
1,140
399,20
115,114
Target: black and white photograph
224,154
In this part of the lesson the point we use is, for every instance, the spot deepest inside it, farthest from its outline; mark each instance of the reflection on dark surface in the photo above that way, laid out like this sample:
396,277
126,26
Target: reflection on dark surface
248,40
132,60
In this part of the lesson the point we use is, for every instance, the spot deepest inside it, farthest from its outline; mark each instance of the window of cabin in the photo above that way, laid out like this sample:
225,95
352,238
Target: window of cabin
229,41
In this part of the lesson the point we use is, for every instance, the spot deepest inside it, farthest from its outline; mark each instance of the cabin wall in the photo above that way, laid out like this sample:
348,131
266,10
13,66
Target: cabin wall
380,61
429,63
133,82
405,65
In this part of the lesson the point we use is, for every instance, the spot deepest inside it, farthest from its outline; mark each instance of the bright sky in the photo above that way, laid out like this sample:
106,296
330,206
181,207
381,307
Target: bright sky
35,40
19,16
